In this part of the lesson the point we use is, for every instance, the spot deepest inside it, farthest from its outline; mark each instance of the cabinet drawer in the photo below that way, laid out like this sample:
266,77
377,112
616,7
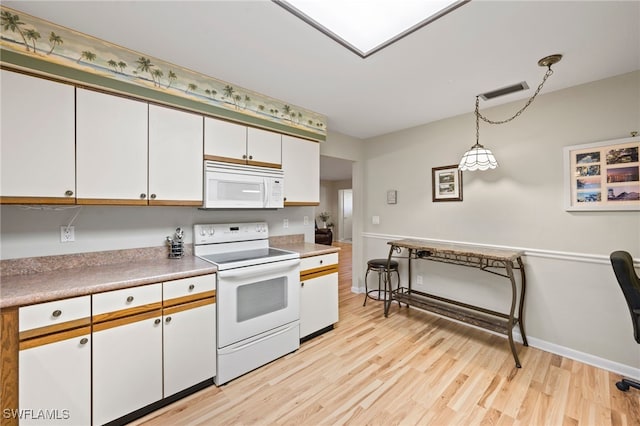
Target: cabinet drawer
187,289
60,313
307,264
128,301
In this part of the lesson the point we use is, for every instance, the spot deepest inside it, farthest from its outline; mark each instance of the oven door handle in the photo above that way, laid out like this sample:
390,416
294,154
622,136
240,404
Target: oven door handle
260,270
232,349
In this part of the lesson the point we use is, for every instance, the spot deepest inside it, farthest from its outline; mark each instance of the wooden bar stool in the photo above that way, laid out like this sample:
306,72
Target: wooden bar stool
380,266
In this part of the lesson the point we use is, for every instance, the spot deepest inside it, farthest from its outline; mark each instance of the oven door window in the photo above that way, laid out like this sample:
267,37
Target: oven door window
261,298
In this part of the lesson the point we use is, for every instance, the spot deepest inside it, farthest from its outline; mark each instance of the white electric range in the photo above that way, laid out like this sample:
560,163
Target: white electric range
258,293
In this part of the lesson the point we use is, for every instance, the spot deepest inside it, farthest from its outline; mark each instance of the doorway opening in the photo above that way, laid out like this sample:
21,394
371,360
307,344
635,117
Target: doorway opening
345,215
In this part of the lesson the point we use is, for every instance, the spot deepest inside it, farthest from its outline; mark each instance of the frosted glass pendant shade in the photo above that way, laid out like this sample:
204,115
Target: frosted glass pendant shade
478,158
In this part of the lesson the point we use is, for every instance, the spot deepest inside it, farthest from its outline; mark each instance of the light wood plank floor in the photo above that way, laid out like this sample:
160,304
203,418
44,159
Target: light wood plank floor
412,368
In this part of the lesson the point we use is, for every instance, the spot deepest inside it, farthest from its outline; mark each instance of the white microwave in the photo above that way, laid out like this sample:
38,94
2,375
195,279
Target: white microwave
237,186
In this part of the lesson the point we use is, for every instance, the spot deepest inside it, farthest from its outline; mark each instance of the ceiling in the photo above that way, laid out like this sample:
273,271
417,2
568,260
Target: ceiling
431,74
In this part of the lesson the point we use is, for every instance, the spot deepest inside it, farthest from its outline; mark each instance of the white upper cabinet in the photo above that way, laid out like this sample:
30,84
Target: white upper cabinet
301,165
225,141
264,148
175,157
111,149
236,143
38,144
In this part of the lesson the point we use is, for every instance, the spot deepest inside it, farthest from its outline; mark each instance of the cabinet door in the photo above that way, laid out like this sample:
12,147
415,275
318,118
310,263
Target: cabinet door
189,345
127,366
111,149
56,377
225,141
318,303
175,157
301,165
264,148
38,140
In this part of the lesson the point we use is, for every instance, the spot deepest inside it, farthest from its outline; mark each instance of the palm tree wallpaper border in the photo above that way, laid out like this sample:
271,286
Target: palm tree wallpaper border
42,47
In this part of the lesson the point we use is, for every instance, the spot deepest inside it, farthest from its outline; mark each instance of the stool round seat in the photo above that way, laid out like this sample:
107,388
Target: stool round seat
382,263
383,267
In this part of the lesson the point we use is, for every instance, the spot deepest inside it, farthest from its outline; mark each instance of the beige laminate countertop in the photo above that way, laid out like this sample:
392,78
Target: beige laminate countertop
308,249
20,290
27,289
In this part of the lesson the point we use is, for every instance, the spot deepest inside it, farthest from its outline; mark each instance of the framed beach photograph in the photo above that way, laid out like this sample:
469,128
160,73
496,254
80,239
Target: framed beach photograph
602,175
446,183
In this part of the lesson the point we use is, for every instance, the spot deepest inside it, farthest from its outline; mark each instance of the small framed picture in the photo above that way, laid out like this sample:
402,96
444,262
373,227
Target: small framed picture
446,183
392,196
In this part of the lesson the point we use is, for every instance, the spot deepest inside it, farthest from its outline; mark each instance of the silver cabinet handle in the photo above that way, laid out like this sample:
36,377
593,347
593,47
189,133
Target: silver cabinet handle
129,299
84,341
157,321
168,320
68,193
191,287
143,196
153,196
56,313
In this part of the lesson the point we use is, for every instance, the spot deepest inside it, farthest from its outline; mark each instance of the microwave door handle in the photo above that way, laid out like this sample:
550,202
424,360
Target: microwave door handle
266,193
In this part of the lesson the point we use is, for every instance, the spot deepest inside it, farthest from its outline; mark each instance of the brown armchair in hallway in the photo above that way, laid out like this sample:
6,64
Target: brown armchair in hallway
324,235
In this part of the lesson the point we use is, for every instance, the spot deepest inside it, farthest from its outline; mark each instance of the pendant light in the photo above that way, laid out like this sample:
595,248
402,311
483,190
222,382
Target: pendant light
481,158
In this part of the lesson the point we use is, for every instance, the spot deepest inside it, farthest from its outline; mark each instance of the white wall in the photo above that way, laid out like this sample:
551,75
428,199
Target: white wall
574,305
350,148
31,232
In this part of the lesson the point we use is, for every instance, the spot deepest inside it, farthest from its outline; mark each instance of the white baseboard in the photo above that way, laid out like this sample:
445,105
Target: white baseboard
605,364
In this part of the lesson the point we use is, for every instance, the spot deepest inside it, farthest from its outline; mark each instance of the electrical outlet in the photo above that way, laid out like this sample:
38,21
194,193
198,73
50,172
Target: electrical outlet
67,234
375,220
306,220
285,223
419,279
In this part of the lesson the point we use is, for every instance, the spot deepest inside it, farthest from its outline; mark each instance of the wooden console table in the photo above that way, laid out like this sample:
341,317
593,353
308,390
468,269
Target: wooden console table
498,262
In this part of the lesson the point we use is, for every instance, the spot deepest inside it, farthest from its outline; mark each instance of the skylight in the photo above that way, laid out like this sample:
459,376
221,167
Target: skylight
367,26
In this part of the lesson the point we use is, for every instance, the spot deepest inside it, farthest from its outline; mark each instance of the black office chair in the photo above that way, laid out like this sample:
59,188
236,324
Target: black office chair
622,263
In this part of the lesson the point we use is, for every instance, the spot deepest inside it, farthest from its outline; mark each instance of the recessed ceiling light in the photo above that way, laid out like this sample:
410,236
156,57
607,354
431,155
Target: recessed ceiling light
367,26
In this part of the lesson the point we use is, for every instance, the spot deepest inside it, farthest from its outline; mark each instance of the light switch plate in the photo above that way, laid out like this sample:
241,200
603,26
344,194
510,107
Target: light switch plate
375,220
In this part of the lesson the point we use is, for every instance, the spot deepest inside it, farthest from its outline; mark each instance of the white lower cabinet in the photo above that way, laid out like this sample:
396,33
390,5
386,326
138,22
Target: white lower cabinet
127,351
93,359
54,359
318,293
189,346
189,321
55,381
127,368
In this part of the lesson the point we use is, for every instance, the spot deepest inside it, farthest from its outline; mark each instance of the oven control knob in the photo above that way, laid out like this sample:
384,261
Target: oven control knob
202,232
212,231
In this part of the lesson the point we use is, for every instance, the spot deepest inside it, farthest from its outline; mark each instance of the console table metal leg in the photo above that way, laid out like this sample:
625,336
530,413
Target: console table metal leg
388,296
521,307
514,293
